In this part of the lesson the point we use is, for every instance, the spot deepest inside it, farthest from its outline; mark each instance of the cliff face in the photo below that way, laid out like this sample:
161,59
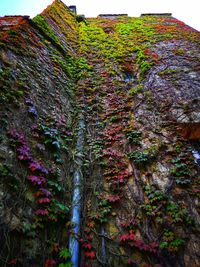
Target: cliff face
113,101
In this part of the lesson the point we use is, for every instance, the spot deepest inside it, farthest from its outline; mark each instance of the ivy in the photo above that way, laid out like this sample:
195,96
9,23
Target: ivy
135,90
12,88
179,215
143,62
134,137
110,52
68,264
139,157
42,23
11,180
170,242
181,172
64,253
68,65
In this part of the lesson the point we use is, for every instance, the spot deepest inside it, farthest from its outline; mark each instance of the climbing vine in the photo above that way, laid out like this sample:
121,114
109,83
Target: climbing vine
139,182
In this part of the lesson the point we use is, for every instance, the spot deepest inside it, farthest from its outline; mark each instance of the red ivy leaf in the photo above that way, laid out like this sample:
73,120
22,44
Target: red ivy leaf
113,198
50,262
129,237
42,212
13,261
90,255
43,200
87,246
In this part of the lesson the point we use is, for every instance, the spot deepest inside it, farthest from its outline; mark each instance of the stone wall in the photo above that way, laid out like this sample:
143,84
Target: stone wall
135,83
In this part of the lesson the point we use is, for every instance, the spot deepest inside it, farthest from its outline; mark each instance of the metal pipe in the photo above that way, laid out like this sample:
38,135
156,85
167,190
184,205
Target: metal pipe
74,246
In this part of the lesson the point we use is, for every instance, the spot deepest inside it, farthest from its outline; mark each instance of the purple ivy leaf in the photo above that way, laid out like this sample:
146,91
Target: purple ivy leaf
34,127
17,136
36,180
46,192
24,152
32,110
36,166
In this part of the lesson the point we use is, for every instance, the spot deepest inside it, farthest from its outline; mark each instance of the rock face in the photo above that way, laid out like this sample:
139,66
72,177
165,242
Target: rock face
135,83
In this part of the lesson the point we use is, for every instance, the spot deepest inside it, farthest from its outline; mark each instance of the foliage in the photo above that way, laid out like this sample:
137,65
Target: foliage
104,210
135,90
12,90
134,137
106,50
64,253
154,194
42,23
178,215
68,65
11,180
68,264
181,172
132,241
142,62
139,157
170,242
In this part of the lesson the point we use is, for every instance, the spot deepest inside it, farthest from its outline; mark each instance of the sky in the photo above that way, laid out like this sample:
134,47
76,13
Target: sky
184,10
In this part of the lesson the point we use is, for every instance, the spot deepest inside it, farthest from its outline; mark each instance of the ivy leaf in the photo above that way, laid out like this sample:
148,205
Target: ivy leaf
55,185
43,200
64,253
42,212
50,263
90,255
62,207
68,264
56,144
163,245
36,180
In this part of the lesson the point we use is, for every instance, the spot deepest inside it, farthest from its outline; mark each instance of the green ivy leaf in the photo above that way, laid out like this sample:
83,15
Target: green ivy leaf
163,245
55,185
64,253
62,207
68,264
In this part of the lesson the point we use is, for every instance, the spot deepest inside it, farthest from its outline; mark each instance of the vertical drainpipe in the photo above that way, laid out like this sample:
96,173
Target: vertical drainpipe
77,198
103,245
